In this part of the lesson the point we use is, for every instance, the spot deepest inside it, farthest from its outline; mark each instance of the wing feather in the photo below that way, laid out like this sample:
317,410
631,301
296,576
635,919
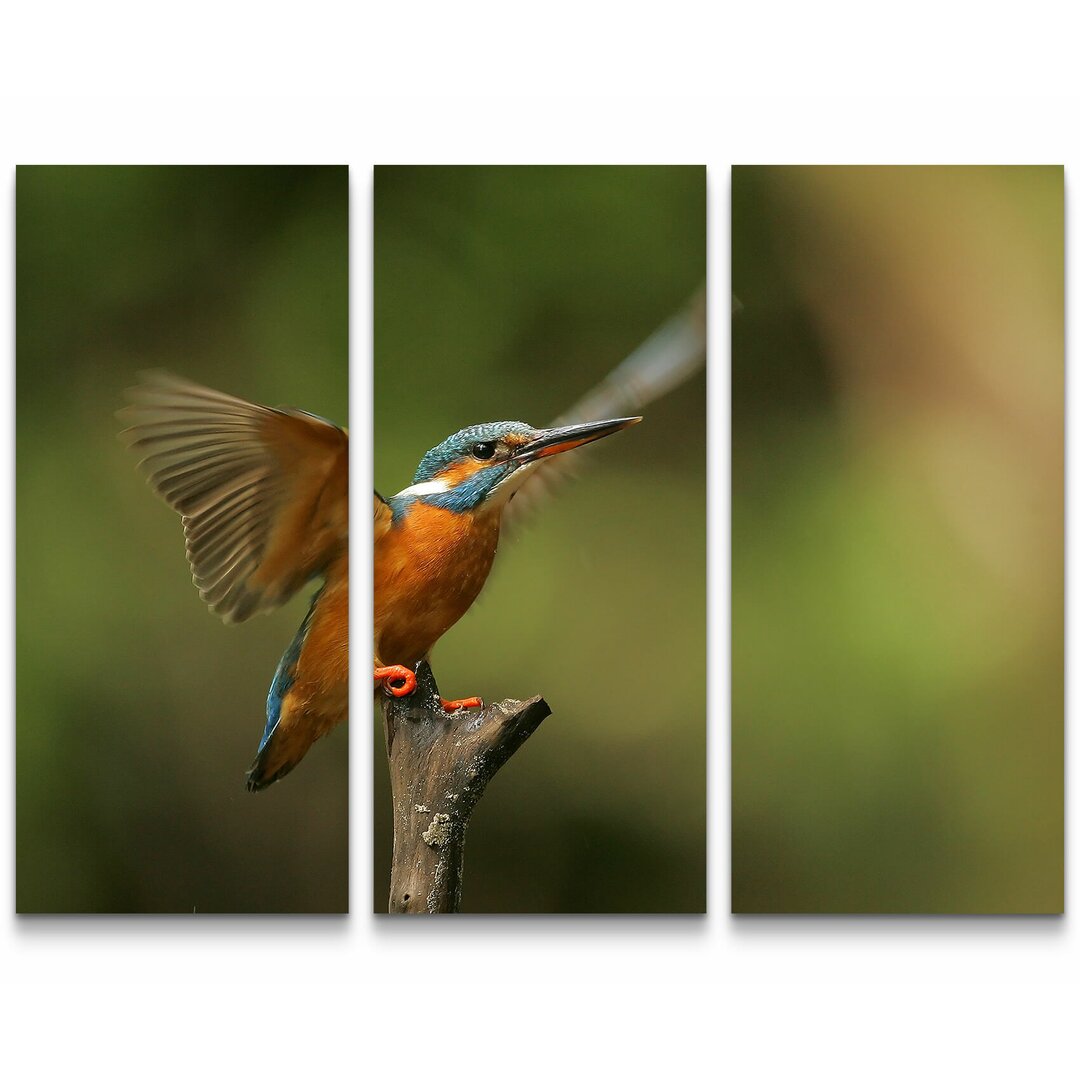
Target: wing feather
263,493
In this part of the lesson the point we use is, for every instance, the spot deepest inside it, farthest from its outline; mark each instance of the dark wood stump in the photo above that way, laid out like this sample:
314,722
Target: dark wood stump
440,764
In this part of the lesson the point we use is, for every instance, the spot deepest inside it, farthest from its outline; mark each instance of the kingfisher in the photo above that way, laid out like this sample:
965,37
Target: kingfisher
263,495
435,541
264,498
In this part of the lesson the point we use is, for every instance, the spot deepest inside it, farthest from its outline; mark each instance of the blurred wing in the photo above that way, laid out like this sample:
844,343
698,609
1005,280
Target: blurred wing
263,492
383,517
662,362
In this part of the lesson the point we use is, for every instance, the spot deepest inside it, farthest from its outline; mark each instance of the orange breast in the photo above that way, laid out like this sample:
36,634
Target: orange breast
429,568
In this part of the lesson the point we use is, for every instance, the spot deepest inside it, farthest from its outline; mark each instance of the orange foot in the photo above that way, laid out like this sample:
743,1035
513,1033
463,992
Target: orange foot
462,703
396,679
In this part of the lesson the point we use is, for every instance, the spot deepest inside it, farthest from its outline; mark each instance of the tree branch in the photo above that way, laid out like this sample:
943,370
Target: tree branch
440,764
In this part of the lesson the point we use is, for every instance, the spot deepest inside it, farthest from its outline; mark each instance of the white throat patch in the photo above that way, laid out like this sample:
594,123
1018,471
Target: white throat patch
429,487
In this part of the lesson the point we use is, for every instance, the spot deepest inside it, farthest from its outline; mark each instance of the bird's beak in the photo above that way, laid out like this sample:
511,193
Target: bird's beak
557,440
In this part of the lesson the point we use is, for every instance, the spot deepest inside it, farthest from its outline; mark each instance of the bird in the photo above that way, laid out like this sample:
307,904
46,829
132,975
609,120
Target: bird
264,498
263,495
435,540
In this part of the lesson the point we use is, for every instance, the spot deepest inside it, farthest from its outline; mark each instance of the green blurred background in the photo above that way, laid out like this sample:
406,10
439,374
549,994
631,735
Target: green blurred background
138,711
507,293
897,572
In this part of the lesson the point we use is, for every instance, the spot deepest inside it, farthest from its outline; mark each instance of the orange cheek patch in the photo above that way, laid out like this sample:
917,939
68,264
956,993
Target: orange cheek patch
459,472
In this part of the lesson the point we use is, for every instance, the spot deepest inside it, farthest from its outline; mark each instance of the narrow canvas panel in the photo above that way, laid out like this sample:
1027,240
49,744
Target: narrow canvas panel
204,301
897,540
526,299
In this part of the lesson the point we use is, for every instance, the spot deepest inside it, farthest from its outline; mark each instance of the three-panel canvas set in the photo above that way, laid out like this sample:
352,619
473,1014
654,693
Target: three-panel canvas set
880,633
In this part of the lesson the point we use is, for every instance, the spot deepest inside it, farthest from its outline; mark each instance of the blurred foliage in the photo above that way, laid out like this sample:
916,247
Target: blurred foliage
138,711
507,293
897,577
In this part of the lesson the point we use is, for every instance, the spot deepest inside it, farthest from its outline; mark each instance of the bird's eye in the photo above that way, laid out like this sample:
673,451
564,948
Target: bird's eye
483,451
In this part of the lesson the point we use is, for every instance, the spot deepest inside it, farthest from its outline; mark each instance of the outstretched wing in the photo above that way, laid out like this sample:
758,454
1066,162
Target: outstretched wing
263,492
662,362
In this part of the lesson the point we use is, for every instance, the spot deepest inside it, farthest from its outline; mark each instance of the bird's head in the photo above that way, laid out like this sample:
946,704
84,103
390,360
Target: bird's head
482,466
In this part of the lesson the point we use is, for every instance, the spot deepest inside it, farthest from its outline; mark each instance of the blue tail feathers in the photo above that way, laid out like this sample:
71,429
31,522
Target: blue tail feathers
284,678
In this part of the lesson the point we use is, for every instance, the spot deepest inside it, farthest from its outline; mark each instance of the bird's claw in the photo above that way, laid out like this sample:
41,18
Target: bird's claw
397,680
400,681
462,703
